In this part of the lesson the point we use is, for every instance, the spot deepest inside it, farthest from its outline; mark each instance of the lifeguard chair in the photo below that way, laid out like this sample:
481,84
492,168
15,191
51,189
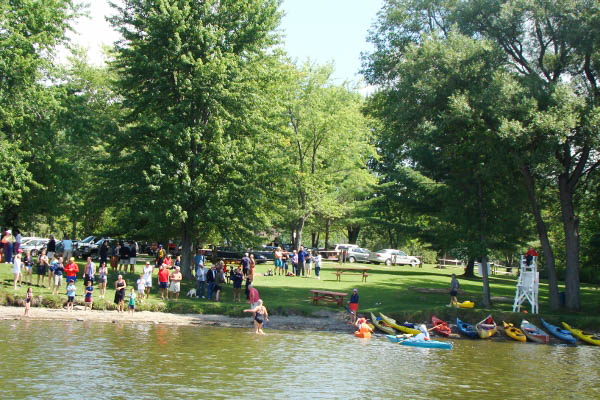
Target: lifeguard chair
527,286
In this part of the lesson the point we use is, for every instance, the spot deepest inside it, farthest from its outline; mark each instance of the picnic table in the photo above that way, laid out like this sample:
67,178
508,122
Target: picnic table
327,296
352,271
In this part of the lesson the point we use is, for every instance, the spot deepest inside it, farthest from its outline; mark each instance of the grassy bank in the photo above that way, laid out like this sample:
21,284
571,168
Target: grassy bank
405,293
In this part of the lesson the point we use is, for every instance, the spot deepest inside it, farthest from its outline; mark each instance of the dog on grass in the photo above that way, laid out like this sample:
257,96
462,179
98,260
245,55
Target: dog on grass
191,293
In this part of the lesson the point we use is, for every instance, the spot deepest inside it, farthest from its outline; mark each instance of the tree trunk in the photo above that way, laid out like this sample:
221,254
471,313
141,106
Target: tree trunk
327,227
313,237
469,269
299,230
74,231
571,228
353,231
543,236
187,255
316,245
484,257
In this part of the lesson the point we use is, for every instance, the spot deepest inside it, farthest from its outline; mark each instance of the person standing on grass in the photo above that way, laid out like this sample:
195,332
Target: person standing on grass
301,261
67,248
245,264
132,257
7,243
285,260
163,281
70,295
200,279
89,289
260,316
28,264
114,260
71,270
318,258
353,304
175,285
42,266
454,285
141,286
103,252
131,304
237,278
148,269
294,259
17,270
51,269
59,270
219,282
309,260
51,247
89,271
18,238
211,277
252,268
278,260
102,278
199,259
28,298
123,257
120,286
160,256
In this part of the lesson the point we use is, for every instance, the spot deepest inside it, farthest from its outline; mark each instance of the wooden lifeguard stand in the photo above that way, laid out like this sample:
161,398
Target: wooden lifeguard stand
527,286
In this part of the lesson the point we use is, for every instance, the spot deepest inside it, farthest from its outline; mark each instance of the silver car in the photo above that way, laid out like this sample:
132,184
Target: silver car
356,254
392,256
34,246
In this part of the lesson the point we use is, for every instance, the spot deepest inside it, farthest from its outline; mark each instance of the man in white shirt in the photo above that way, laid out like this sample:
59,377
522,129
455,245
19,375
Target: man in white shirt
67,248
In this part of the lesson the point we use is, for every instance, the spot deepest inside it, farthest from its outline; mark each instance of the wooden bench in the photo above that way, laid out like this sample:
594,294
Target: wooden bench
327,296
351,271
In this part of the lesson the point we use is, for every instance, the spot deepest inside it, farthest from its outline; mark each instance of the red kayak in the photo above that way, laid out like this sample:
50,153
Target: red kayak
441,327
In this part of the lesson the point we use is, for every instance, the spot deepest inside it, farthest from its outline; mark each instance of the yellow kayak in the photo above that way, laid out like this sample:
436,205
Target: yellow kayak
392,322
586,337
514,332
379,325
466,304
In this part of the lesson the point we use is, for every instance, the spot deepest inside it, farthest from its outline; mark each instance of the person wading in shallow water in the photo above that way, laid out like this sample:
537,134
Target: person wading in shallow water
260,316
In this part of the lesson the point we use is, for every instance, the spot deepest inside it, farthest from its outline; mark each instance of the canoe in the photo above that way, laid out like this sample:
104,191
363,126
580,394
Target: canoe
392,322
586,337
534,333
513,332
441,327
379,325
560,333
465,304
363,335
466,329
486,328
428,344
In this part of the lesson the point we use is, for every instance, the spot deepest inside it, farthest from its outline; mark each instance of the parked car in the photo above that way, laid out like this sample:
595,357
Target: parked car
34,246
90,249
83,242
357,254
392,256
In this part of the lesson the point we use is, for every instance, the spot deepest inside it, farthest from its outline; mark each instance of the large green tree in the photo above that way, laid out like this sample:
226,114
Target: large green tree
191,75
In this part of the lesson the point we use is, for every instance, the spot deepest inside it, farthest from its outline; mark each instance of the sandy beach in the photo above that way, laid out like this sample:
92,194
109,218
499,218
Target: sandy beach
328,321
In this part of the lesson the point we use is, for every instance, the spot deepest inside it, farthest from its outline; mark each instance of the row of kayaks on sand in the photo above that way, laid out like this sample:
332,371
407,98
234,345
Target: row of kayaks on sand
484,329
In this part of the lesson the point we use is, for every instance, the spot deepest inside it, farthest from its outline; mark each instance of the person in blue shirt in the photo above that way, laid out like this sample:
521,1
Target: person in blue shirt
301,261
353,304
198,259
70,295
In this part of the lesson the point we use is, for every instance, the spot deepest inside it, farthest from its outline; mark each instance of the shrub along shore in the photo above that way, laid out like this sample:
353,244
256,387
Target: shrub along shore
402,292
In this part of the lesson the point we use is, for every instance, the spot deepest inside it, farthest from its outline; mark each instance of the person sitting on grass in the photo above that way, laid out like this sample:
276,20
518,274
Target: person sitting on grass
70,295
353,304
89,289
260,316
131,304
454,285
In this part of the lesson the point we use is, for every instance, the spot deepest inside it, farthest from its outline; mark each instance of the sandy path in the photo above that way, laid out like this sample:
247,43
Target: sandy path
329,322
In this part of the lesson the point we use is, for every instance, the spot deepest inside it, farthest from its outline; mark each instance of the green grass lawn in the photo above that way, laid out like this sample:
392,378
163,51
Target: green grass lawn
390,290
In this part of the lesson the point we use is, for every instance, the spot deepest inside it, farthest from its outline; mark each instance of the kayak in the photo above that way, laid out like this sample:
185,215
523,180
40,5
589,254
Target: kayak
466,329
465,304
586,337
441,327
379,325
534,333
486,328
392,322
428,344
560,333
513,332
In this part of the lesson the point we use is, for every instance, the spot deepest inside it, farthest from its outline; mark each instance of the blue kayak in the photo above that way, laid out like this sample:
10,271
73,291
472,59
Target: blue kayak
562,334
466,329
428,344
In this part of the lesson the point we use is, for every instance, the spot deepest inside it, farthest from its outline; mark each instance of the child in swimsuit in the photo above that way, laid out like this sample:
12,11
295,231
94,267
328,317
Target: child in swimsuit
28,298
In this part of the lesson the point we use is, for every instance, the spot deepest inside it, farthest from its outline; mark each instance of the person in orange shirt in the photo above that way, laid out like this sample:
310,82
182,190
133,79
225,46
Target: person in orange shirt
71,270
163,281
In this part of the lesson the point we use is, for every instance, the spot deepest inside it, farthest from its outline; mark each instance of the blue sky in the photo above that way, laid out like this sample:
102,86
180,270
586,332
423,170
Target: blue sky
322,30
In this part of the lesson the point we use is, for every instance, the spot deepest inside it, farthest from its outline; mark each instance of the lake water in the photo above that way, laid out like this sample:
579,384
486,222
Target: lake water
75,360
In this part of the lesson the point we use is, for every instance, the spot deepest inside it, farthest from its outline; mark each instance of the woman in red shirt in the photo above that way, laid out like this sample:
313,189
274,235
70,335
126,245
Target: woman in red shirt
71,270
163,280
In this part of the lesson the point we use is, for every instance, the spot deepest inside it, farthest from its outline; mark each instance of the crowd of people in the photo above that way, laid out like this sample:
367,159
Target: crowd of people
301,262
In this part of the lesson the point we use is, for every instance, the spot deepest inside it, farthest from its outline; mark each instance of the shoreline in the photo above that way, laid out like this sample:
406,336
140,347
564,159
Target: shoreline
329,321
